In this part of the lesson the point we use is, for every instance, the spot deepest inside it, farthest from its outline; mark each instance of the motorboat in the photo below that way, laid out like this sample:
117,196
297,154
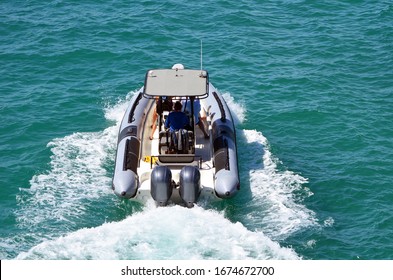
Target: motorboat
184,166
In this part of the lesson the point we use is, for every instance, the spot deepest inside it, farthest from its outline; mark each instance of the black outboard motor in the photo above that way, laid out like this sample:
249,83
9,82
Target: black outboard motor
161,187
190,185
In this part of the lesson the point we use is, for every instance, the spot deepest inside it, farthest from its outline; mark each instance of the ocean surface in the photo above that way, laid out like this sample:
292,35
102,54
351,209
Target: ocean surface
310,84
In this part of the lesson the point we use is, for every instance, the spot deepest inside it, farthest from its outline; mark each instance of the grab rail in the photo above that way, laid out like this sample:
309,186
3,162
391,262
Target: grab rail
131,116
222,110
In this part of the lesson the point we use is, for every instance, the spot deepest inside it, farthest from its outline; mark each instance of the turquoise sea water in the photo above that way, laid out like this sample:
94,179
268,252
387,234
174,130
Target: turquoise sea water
309,82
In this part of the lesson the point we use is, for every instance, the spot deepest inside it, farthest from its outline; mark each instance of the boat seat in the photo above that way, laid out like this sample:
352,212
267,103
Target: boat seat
177,142
174,159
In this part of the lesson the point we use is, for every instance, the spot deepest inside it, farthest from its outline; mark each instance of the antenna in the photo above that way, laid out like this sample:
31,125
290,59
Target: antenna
201,55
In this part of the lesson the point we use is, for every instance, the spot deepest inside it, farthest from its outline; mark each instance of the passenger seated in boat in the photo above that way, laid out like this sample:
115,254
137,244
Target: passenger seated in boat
166,105
197,116
177,119
177,122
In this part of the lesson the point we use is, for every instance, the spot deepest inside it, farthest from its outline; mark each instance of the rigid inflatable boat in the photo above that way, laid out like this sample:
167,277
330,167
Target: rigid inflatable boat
176,166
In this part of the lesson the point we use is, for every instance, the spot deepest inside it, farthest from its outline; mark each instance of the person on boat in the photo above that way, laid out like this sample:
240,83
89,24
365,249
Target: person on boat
176,119
197,116
178,122
166,105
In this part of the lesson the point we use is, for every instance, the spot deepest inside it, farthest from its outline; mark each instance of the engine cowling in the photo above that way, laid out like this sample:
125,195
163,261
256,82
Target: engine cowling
161,185
190,185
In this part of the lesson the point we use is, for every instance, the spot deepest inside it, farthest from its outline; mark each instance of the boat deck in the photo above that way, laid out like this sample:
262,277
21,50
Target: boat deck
150,152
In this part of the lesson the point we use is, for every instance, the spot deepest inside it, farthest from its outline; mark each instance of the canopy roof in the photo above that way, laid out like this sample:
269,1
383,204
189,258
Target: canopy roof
176,82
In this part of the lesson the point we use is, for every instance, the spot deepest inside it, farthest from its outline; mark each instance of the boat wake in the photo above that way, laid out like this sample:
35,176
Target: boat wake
71,212
278,194
171,232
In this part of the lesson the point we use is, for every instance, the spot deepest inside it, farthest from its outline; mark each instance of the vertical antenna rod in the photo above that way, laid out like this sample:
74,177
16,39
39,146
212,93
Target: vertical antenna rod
201,55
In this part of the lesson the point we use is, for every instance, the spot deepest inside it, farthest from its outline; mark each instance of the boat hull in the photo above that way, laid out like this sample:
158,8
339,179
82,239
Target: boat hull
143,172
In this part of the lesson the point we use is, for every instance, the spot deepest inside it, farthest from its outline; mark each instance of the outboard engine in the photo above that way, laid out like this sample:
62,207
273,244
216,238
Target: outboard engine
190,185
161,187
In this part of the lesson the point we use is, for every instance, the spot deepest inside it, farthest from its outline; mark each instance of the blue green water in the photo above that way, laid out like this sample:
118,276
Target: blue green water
309,82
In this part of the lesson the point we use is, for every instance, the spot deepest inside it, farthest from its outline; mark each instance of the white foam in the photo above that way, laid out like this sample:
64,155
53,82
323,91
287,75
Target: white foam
164,233
238,110
329,222
116,112
273,192
77,176
311,243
